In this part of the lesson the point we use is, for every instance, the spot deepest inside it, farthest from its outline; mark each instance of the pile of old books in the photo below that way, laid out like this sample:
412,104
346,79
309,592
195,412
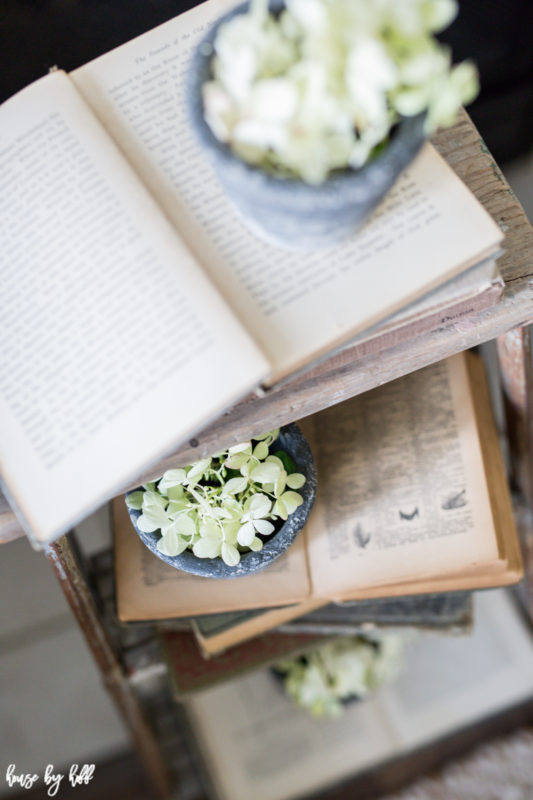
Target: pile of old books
412,514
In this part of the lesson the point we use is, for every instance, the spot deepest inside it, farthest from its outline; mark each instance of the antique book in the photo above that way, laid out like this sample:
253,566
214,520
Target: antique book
450,612
278,752
412,499
152,308
190,672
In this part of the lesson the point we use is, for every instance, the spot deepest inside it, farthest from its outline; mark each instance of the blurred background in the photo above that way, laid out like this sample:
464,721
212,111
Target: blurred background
53,708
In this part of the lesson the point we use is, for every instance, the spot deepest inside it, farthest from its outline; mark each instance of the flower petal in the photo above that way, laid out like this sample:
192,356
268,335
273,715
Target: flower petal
206,548
246,534
263,526
230,555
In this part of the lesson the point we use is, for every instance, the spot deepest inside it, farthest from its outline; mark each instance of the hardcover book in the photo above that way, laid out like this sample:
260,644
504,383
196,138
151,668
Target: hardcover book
449,612
191,672
143,304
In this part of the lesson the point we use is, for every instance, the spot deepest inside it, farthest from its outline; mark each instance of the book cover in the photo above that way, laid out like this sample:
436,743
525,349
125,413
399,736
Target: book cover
190,671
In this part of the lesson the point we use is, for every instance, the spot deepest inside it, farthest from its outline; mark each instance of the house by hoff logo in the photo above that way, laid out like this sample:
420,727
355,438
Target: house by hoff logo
77,775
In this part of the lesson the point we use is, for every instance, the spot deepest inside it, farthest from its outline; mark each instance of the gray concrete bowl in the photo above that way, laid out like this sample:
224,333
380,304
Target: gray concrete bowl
292,440
287,212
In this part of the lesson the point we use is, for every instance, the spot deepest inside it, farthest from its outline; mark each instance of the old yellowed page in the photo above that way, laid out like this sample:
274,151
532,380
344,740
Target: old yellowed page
147,588
115,346
297,306
402,492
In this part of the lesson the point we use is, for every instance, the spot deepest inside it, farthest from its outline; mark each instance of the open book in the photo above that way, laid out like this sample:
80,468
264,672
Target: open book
278,752
412,499
135,305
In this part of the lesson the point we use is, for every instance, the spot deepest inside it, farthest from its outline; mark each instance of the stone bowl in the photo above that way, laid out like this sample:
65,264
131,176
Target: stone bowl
292,440
287,212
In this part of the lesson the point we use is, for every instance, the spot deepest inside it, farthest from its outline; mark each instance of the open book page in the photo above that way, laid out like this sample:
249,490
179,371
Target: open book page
115,345
147,588
297,306
402,491
452,680
257,745
278,752
476,288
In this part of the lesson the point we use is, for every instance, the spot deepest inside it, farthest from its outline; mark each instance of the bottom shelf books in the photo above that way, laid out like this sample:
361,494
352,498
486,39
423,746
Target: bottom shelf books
256,744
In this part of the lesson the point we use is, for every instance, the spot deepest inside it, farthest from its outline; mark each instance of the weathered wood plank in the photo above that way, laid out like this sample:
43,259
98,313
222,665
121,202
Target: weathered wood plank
339,379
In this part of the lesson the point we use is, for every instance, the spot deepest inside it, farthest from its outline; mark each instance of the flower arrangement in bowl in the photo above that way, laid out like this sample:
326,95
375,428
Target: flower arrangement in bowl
349,668
311,108
233,513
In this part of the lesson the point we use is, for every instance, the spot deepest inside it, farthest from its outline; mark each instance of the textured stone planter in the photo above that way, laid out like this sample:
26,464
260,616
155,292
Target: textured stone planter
292,440
291,213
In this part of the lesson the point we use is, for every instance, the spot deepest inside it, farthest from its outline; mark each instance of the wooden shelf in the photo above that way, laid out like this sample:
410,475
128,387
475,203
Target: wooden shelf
351,372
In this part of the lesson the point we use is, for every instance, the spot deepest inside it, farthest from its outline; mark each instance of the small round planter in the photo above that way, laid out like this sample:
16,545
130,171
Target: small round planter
287,212
292,440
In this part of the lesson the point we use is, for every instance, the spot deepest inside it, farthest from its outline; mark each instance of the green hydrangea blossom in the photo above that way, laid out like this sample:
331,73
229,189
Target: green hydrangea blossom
349,667
319,88
220,506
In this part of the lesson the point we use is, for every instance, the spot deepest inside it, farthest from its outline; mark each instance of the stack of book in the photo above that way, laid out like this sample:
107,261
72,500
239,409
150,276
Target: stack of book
412,514
152,308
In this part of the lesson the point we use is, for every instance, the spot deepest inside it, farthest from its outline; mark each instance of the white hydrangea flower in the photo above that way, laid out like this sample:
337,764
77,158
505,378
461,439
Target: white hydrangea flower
320,87
220,506
349,667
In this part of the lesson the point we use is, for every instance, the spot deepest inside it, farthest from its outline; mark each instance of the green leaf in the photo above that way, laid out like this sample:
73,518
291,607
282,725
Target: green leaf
230,555
135,500
296,480
286,460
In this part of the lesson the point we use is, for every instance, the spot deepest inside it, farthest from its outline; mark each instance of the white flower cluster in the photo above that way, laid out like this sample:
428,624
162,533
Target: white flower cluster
221,506
349,667
319,87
